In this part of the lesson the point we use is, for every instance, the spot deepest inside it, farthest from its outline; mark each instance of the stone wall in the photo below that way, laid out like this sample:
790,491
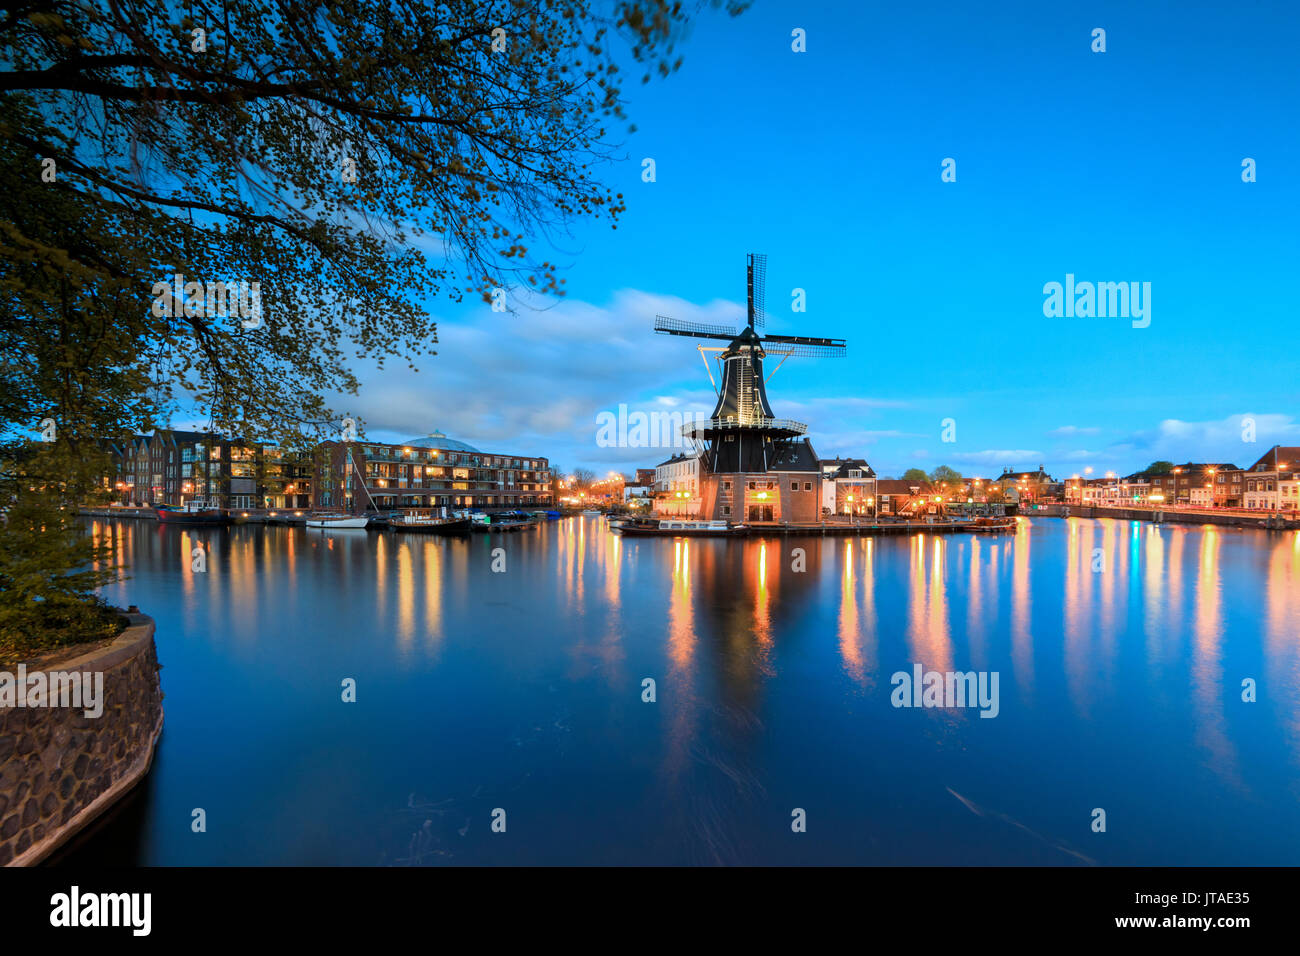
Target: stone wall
60,769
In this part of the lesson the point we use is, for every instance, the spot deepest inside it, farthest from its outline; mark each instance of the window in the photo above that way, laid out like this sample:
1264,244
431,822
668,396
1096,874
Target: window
794,486
751,486
726,486
726,509
807,486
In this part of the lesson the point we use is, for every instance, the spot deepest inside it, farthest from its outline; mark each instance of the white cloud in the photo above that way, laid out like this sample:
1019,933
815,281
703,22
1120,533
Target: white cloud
534,382
1221,440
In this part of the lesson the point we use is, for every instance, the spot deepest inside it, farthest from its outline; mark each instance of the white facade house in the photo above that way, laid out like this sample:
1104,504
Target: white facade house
677,485
848,486
1273,482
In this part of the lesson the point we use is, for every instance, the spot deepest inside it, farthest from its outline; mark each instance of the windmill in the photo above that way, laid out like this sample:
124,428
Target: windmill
743,435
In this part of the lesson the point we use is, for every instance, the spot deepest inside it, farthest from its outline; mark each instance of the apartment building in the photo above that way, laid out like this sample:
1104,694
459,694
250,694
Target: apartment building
430,471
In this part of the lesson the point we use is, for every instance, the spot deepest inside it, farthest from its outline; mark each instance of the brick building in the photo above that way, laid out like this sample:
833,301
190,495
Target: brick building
432,471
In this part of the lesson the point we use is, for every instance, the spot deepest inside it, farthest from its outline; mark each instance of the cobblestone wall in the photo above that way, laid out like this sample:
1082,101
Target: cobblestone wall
59,769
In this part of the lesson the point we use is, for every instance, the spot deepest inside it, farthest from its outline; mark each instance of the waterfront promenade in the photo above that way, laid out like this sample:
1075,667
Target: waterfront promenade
1230,517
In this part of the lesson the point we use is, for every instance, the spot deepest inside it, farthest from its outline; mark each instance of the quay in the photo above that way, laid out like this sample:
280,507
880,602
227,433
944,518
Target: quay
933,525
1237,518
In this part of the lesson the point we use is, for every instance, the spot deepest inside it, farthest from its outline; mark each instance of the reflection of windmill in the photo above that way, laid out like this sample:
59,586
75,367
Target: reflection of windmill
743,435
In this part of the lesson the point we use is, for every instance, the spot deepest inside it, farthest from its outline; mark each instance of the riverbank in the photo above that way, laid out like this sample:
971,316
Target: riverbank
71,752
1268,521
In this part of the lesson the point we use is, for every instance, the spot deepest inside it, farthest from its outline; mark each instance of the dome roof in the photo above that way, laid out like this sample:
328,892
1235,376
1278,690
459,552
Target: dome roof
437,439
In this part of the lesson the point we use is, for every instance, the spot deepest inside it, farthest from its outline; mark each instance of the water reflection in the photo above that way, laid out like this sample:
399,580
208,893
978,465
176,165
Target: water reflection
772,660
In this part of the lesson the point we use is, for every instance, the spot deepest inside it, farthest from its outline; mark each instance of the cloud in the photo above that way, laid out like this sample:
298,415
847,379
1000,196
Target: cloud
1221,440
534,383
1068,431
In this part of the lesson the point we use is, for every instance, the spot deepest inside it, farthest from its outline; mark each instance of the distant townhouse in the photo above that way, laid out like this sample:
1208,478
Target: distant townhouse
1273,482
848,487
677,486
898,496
431,471
1028,485
1192,484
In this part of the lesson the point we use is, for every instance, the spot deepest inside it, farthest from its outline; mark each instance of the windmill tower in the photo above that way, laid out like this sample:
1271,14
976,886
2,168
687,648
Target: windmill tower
758,469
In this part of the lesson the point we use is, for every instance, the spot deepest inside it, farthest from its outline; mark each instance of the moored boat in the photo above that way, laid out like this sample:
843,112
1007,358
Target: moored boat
195,511
429,524
673,528
991,525
337,521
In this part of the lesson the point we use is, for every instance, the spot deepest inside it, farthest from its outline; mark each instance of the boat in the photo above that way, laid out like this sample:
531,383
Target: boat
429,524
500,525
508,521
674,528
337,521
195,511
993,525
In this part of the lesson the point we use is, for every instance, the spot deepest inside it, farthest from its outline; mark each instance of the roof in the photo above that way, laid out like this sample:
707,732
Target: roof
901,486
794,456
437,439
852,464
673,460
1038,475
1287,454
1186,468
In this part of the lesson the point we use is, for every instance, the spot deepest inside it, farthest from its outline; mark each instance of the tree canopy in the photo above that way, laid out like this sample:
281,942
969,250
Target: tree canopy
224,206
351,158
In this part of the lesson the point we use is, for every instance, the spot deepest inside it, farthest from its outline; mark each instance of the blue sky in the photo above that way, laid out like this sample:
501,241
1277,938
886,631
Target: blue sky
1115,166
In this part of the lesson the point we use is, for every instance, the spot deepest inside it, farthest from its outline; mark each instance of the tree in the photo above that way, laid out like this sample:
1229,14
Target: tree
582,478
220,209
944,473
915,474
350,159
1160,468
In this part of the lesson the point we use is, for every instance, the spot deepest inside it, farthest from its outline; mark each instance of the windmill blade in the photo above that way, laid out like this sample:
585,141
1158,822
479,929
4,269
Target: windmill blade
702,330
758,289
805,340
806,346
809,351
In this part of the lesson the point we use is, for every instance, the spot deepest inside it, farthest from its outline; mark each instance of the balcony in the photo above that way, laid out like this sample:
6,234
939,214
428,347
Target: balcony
707,427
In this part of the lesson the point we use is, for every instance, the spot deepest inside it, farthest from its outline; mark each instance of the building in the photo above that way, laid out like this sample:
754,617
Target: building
677,486
173,466
432,471
1192,484
899,496
1027,485
1273,482
848,487
638,496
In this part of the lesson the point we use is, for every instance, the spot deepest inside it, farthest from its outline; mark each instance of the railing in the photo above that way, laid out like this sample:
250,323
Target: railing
691,429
